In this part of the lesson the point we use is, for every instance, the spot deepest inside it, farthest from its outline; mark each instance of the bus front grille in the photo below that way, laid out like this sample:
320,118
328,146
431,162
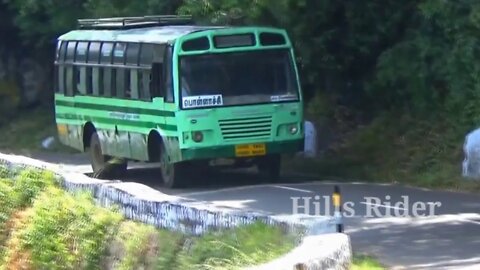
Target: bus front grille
246,128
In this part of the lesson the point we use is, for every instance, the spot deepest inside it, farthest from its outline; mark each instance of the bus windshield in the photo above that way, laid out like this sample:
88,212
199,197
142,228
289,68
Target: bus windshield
239,78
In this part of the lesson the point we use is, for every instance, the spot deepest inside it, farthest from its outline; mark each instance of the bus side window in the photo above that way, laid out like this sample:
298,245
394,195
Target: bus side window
69,81
80,68
168,76
107,73
128,89
144,84
120,73
71,46
134,83
96,79
145,61
155,83
93,86
132,76
88,82
146,54
60,72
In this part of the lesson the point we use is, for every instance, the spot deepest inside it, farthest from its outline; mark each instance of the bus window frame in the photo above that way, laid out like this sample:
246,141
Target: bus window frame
79,68
91,67
107,62
60,64
292,67
120,82
168,88
147,71
70,70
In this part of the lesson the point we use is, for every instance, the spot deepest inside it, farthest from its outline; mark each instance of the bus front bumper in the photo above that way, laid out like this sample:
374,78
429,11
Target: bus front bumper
228,151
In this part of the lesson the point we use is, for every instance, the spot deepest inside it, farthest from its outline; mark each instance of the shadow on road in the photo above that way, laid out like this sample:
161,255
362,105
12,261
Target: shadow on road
213,179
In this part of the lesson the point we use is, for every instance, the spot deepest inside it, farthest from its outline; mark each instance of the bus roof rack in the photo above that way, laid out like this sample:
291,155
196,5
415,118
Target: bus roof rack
134,22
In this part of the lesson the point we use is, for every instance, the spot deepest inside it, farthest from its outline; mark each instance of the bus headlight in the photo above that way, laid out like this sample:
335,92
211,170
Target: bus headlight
197,136
293,129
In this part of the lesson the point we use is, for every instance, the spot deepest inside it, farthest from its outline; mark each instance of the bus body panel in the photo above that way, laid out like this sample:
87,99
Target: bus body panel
124,125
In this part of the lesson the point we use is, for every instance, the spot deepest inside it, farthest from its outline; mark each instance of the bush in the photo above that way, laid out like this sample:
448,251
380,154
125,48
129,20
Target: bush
235,249
64,232
7,207
138,246
29,183
19,193
44,227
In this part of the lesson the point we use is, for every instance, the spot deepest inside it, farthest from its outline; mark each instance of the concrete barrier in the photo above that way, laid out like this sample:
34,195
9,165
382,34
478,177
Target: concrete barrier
144,204
320,252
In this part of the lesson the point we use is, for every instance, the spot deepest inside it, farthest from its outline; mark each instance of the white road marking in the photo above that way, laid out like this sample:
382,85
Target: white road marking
219,190
470,264
294,189
361,224
470,221
243,188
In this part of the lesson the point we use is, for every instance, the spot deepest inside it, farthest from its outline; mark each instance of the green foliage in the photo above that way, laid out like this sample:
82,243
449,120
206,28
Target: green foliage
41,21
4,171
25,131
247,246
108,8
366,263
7,206
237,12
64,232
138,246
169,246
30,183
43,227
20,192
138,241
17,194
434,68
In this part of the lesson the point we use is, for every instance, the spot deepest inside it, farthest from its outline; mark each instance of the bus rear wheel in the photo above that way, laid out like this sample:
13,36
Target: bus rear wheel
104,167
173,174
270,167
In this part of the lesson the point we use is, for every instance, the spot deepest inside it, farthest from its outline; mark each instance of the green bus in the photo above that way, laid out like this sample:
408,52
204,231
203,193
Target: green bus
164,90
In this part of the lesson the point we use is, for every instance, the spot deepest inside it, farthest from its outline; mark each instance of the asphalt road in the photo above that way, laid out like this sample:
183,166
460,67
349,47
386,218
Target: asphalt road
447,238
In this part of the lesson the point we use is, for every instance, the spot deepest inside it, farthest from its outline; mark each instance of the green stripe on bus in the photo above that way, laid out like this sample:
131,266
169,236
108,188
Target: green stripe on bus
119,122
92,106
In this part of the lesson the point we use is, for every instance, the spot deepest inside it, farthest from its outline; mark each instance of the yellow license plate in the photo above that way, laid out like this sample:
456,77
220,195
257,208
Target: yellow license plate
250,150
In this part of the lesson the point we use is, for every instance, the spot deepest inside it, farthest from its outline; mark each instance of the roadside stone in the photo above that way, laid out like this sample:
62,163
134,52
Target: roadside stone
471,149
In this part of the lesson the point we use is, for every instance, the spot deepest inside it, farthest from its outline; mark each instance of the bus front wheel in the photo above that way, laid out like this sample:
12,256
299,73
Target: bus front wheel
173,174
104,167
270,167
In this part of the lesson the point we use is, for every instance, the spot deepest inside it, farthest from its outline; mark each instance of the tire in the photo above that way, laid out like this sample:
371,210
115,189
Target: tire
104,167
270,167
174,175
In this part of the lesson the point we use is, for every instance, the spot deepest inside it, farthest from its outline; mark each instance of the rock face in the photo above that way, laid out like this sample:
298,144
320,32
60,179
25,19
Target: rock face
471,148
23,81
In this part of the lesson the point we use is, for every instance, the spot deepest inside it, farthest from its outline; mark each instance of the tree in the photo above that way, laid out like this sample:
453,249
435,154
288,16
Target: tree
41,22
125,8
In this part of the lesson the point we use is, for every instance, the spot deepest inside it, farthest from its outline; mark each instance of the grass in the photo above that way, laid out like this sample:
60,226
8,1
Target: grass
44,227
236,249
396,149
366,263
25,131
